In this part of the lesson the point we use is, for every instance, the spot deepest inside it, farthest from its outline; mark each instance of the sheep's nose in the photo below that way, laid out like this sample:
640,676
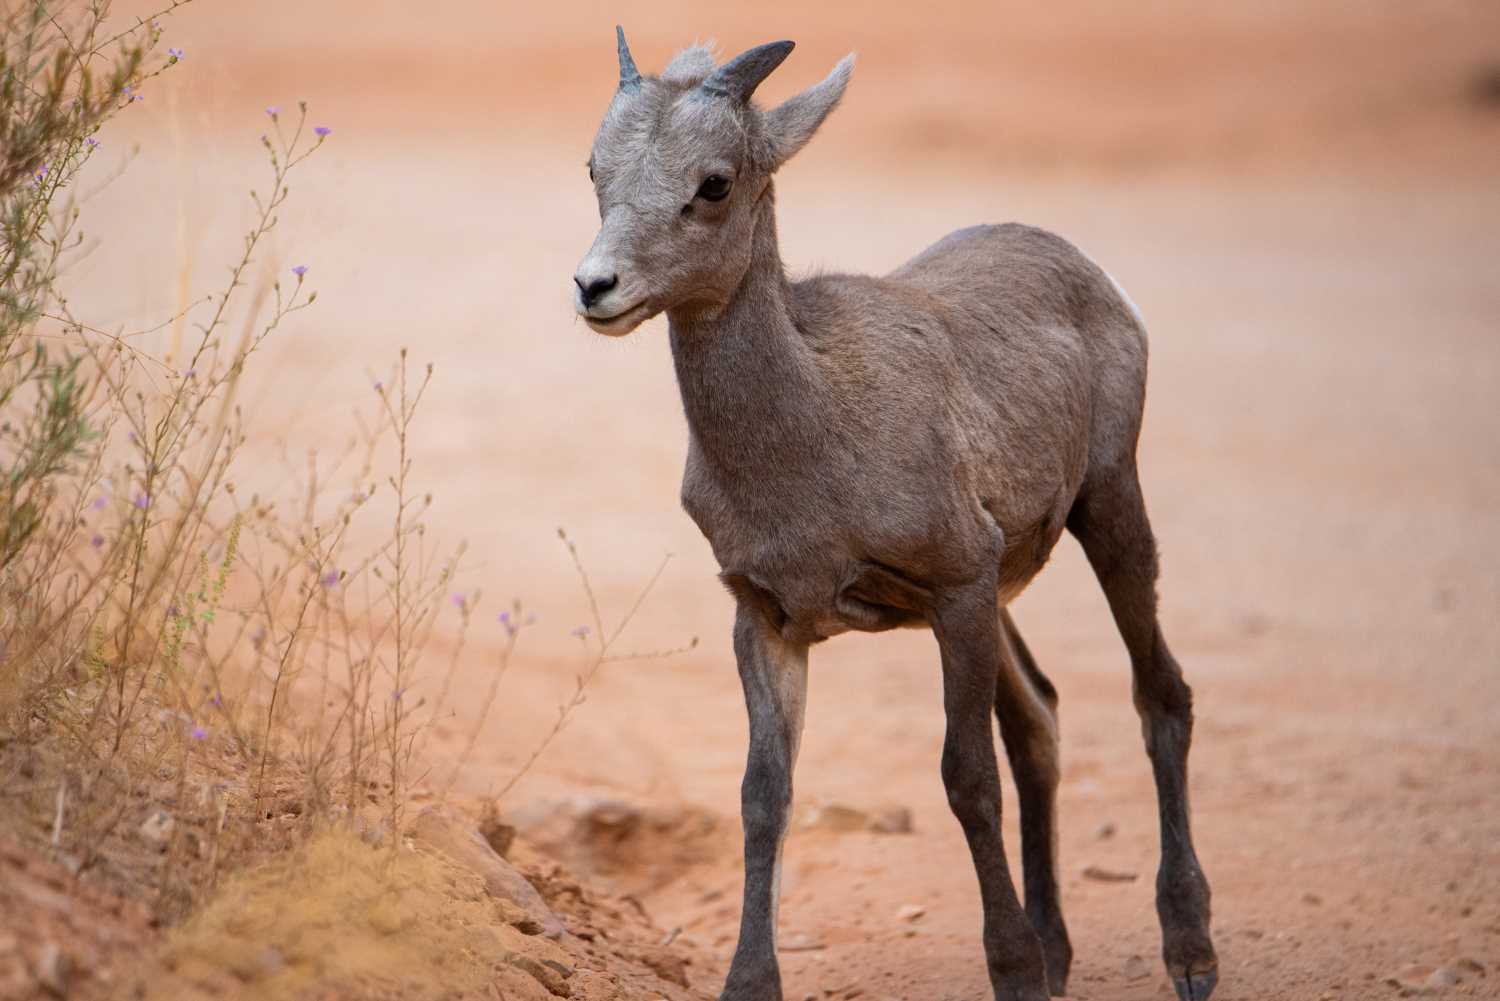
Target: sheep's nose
590,290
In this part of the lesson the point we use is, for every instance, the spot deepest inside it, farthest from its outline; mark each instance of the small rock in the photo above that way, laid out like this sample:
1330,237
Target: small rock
1105,831
500,836
1442,977
891,820
1464,964
1411,980
910,912
668,965
1312,899
835,817
517,917
452,836
564,969
54,971
798,942
543,973
1136,968
156,830
1101,875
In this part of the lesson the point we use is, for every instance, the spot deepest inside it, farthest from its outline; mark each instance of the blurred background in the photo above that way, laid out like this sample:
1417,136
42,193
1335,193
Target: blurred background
1303,199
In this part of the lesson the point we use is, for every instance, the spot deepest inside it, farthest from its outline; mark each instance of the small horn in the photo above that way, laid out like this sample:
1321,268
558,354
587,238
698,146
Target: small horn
738,78
630,77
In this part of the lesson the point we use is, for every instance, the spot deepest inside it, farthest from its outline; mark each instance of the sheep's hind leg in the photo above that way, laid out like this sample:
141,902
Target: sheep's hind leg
1110,521
1026,705
969,637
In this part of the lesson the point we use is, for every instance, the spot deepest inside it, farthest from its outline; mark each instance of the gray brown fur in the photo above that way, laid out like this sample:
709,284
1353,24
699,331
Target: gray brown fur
871,452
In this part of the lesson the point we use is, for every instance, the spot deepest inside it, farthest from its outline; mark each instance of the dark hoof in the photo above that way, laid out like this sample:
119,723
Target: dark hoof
1059,958
1196,986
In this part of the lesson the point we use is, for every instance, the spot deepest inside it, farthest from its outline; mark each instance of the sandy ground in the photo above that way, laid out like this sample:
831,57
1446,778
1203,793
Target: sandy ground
1303,199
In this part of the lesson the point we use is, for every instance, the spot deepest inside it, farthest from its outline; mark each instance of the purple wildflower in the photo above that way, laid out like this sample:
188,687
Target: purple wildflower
300,270
142,501
199,733
173,612
379,386
99,503
329,579
135,439
322,131
217,700
175,53
582,632
396,695
97,541
274,110
459,601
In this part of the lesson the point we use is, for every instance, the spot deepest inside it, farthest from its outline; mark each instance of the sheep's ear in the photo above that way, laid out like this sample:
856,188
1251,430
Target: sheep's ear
790,125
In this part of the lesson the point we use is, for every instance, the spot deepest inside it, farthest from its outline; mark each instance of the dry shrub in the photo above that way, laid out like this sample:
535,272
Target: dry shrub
166,640
194,675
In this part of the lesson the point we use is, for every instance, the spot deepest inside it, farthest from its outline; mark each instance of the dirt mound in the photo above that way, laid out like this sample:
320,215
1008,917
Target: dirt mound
345,916
441,916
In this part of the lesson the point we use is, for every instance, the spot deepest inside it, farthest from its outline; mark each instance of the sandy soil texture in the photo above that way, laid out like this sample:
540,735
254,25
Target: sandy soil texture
1304,200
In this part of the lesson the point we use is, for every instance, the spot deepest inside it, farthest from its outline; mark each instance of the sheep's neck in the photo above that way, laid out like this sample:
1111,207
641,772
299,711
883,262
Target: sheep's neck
754,398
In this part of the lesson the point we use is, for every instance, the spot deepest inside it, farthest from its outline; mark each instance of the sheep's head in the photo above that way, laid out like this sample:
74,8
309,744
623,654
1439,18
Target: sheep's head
680,165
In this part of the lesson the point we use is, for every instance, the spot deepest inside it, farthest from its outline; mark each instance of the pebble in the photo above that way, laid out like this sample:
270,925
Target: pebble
54,970
835,817
798,942
1102,875
891,820
1136,968
910,912
157,829
1105,831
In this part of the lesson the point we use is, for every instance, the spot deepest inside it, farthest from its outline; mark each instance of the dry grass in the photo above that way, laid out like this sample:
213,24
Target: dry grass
195,678
336,911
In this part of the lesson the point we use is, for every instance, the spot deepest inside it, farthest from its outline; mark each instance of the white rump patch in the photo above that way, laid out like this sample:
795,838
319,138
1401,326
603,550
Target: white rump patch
1134,309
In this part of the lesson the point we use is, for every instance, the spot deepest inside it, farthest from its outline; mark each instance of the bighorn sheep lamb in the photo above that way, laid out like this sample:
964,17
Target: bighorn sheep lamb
872,452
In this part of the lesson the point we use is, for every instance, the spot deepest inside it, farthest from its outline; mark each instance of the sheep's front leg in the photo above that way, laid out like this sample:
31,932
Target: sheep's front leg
774,675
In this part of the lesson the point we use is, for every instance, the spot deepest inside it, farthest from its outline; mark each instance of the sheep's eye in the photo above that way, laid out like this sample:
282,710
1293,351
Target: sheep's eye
591,170
714,188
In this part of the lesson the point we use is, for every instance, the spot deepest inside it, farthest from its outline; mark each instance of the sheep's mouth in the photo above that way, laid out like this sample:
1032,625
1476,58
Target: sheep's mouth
620,323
